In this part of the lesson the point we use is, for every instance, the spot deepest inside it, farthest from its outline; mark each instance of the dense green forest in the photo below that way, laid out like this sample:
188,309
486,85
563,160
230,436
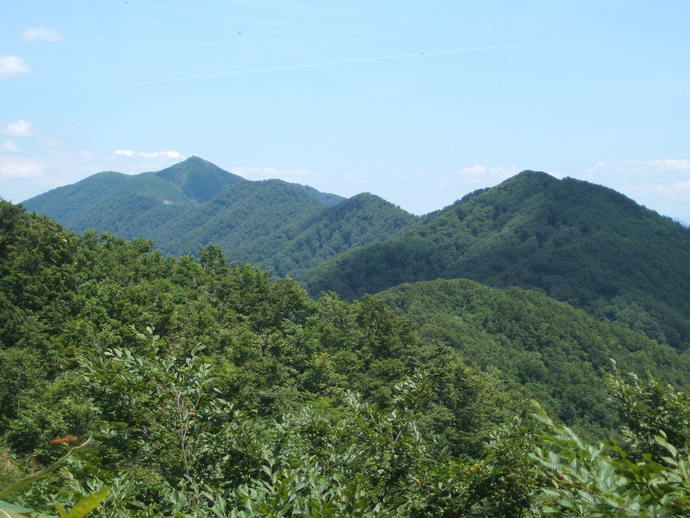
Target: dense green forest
286,227
577,242
555,352
209,389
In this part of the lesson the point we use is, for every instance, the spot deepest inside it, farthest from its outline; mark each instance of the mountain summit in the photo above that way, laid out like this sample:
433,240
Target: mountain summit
199,179
578,242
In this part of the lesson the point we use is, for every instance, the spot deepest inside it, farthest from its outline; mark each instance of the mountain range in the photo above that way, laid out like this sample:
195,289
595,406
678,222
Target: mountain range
279,225
190,371
428,378
574,241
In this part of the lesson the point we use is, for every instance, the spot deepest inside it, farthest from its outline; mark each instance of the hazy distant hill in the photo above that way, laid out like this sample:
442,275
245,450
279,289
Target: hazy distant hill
193,203
578,242
80,206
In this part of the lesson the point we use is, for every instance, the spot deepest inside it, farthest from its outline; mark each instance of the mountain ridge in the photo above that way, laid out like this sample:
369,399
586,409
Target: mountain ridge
578,242
194,202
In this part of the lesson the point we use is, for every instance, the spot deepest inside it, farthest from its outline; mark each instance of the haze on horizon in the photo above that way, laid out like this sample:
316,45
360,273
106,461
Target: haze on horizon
419,104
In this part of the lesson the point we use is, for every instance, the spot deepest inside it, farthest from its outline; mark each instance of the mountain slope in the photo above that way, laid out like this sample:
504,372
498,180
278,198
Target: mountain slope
555,352
107,201
578,242
360,220
199,179
193,203
249,222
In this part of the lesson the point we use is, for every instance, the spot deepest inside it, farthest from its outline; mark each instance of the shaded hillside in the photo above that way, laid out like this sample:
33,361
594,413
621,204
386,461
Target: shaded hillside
555,352
276,224
287,227
360,220
578,242
240,220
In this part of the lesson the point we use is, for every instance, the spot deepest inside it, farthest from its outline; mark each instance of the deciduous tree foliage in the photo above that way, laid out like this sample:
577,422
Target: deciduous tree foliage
575,241
215,390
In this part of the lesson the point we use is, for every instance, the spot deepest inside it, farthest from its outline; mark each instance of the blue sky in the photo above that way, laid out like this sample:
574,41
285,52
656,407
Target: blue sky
419,102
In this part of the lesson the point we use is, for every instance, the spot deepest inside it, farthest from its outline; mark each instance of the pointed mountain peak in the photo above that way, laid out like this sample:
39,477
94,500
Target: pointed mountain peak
365,196
531,177
192,165
368,199
199,179
366,205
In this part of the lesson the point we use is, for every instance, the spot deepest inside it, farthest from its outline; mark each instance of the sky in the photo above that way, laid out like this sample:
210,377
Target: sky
418,102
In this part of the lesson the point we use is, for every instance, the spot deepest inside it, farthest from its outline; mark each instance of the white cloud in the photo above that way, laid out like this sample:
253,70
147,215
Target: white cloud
266,172
474,177
10,146
12,66
641,170
41,35
670,164
157,154
673,190
18,128
13,168
490,171
474,169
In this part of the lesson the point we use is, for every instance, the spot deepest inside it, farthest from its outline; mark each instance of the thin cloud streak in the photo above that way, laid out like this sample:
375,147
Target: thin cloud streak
349,61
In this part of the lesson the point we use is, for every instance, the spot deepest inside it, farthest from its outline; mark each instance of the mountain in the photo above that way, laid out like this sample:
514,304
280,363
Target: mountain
193,203
553,351
199,179
82,205
360,220
194,374
577,242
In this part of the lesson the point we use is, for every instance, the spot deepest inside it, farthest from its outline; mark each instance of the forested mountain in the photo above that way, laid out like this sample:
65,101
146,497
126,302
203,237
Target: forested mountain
287,227
209,390
577,242
360,220
109,200
553,351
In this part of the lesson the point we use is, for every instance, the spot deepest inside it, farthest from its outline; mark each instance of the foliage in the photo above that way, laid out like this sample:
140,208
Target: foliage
216,390
546,349
580,243
649,408
84,506
600,480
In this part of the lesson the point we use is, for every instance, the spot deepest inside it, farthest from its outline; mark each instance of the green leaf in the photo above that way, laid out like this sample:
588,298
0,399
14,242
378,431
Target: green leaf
40,474
17,511
87,504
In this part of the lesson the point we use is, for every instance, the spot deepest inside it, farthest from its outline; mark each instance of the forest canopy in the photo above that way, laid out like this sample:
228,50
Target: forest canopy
214,389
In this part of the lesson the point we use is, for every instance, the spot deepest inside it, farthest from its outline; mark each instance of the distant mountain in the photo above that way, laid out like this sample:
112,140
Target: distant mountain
199,179
193,203
554,352
575,241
